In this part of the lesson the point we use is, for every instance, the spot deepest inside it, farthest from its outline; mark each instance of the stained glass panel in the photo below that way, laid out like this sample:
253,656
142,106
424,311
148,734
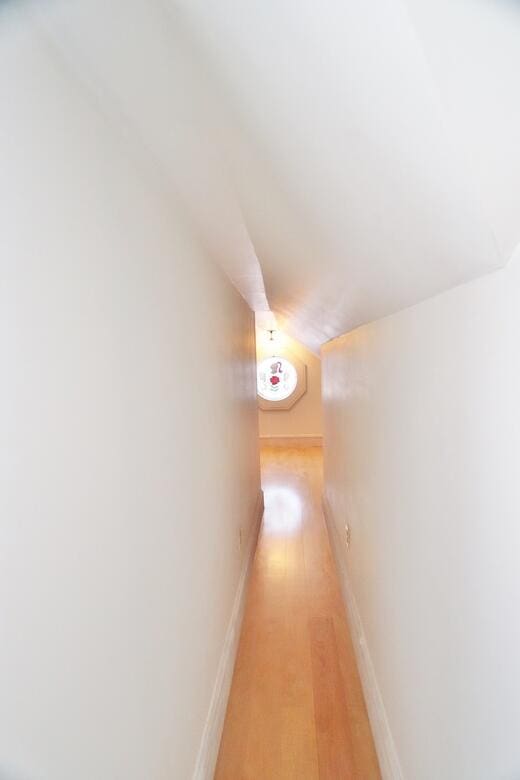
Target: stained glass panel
276,378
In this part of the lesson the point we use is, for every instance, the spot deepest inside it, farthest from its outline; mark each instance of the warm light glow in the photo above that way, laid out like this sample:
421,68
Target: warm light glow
283,510
271,341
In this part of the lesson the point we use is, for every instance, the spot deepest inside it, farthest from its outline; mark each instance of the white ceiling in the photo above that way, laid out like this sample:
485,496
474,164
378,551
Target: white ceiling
354,157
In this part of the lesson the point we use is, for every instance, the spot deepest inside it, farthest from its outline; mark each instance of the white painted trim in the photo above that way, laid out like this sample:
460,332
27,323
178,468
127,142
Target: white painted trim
210,742
298,440
385,746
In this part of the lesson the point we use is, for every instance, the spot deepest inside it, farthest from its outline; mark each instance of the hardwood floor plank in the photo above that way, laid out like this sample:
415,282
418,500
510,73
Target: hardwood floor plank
296,708
330,706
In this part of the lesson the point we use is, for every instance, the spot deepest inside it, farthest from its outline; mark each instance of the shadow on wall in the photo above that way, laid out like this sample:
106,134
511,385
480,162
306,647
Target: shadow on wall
7,773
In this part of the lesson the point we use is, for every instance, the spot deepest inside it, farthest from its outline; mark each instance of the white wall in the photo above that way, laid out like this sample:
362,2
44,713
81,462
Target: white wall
422,446
128,447
305,417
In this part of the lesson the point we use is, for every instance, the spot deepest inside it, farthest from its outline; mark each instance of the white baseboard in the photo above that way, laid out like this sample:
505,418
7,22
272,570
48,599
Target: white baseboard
299,440
210,742
384,742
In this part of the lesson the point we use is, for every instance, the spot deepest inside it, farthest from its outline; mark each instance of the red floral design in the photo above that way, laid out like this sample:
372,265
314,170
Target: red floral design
274,380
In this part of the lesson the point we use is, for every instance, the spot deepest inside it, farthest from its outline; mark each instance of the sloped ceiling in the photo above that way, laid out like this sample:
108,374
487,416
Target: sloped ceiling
341,160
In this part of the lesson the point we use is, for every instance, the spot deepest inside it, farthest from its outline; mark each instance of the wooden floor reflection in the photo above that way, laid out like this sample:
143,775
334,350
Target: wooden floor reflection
296,708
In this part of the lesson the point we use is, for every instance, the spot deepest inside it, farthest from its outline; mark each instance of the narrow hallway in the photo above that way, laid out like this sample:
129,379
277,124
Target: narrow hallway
296,708
260,250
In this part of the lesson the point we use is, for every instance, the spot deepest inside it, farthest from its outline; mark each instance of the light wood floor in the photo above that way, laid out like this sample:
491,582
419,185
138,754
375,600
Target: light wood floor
296,708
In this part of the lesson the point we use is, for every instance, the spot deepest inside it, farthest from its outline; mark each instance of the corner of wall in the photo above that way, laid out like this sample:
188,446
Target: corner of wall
211,736
383,739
